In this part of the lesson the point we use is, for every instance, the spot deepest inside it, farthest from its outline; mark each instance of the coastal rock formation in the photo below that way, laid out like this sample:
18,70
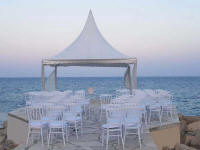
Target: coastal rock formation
190,130
183,147
5,144
193,126
179,147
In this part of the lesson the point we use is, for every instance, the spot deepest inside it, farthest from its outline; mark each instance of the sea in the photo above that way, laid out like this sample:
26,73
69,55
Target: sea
185,90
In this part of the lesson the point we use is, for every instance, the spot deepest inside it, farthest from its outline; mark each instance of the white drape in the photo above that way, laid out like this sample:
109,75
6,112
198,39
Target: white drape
49,85
127,83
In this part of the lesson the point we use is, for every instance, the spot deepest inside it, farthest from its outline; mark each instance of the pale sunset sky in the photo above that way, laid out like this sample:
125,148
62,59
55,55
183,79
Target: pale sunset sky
164,35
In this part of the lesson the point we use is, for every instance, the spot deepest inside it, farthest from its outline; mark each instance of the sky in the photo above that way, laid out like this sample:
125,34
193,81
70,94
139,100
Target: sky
163,35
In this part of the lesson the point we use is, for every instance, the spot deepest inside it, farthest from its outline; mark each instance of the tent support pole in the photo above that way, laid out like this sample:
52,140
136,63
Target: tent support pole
55,77
129,80
42,77
135,76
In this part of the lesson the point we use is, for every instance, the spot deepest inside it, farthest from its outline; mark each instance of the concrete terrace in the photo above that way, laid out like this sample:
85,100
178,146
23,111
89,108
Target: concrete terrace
91,137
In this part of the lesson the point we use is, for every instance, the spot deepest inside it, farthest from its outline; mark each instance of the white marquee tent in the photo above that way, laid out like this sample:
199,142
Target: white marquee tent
91,49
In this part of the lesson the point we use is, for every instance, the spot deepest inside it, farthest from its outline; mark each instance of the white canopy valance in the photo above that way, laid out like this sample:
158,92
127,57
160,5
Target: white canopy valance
91,49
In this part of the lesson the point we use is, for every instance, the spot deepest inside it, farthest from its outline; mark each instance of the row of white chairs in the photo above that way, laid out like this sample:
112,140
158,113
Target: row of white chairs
49,105
122,120
54,95
35,98
56,119
142,103
157,101
124,111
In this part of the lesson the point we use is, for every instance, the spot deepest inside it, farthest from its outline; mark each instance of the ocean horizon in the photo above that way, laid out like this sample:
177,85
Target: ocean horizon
185,90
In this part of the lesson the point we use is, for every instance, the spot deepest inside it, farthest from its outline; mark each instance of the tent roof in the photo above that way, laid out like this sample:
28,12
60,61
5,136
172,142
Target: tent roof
90,45
90,49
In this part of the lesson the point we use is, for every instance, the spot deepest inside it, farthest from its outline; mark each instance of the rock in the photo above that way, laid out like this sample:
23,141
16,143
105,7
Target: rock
183,147
183,125
197,133
166,148
192,133
193,126
194,142
183,129
188,139
180,116
190,119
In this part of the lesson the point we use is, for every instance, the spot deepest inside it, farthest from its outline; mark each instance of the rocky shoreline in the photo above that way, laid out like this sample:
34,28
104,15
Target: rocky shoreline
189,133
5,144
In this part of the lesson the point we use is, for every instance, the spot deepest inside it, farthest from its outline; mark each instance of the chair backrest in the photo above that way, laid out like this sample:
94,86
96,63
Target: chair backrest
132,111
114,112
105,98
55,112
163,94
74,108
34,113
80,94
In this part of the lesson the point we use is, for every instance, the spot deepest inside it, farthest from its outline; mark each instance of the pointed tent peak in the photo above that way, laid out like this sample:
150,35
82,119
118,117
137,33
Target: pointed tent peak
90,45
90,23
90,12
90,16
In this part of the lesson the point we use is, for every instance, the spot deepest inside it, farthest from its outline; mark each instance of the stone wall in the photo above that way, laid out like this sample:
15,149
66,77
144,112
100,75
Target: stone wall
5,144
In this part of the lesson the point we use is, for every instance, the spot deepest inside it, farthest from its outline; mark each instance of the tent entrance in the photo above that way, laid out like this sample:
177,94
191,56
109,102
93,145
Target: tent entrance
50,84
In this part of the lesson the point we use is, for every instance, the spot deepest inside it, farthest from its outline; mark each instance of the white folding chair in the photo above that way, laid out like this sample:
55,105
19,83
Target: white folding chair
57,124
113,126
35,123
73,117
133,122
80,96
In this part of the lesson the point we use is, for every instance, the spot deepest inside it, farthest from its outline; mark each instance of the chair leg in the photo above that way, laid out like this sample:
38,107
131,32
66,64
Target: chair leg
107,139
142,129
139,137
171,112
101,114
89,111
102,137
63,134
29,130
149,116
121,135
66,134
118,139
124,135
160,116
76,130
81,127
49,137
41,133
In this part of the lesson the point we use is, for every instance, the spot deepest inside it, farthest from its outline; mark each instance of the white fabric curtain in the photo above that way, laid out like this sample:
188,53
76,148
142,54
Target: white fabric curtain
50,82
126,78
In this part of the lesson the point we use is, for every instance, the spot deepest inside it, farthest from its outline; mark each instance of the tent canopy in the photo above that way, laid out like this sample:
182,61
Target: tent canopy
90,49
90,44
